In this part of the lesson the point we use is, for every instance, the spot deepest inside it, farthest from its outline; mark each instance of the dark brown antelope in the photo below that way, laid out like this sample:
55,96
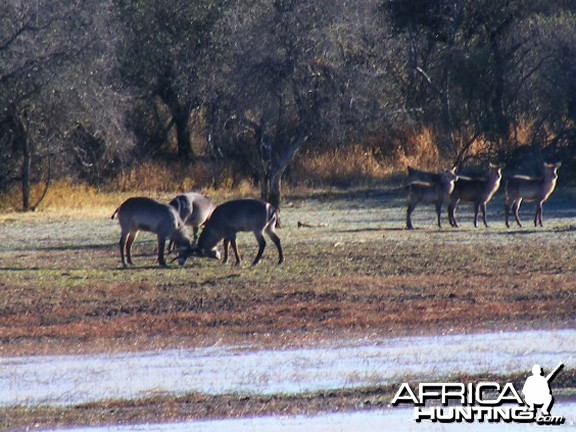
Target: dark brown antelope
519,188
194,209
243,215
144,214
475,190
414,174
437,193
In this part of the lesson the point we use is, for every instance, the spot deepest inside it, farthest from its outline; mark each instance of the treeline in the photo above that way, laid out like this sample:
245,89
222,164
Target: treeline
89,88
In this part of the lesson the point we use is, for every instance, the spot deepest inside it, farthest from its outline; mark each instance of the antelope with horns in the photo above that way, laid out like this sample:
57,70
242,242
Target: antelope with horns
475,190
194,209
437,193
519,188
242,215
145,214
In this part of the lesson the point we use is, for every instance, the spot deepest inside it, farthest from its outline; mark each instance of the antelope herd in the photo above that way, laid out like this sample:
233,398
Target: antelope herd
450,188
222,223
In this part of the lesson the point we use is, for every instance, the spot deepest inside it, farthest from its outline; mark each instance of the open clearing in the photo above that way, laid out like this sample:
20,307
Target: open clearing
356,274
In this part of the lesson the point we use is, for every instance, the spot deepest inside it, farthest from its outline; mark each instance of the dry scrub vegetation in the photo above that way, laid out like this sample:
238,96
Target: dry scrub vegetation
369,164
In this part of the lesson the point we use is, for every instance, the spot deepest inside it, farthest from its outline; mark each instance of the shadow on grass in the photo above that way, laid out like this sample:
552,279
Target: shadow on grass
64,248
361,230
527,231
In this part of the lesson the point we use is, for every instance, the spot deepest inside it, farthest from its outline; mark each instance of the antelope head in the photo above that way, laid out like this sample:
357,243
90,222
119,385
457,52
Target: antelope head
193,250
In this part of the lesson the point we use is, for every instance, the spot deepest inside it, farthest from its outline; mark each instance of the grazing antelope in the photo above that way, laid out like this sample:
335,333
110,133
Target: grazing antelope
475,190
144,214
430,193
194,209
227,220
520,188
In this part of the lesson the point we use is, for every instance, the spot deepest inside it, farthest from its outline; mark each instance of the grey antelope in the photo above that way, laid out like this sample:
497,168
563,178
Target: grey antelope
519,188
242,215
437,193
475,190
145,214
194,209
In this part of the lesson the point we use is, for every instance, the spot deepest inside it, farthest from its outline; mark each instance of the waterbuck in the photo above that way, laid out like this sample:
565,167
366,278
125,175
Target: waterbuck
520,188
475,190
194,209
419,192
415,175
145,214
242,215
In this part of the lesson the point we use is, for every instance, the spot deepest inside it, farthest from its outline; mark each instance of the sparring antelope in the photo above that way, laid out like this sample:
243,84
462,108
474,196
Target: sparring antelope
194,209
437,193
519,188
475,190
242,215
145,214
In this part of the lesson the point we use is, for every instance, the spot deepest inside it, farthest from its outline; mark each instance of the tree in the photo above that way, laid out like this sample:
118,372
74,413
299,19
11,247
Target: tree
55,66
547,70
281,74
167,41
463,63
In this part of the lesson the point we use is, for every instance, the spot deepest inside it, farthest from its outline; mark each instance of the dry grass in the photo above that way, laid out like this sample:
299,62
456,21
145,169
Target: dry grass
347,167
68,200
370,163
367,164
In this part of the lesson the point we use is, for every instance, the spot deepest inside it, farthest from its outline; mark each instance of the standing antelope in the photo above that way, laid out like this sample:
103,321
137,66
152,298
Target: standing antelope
415,174
419,192
520,188
475,190
242,215
194,209
144,214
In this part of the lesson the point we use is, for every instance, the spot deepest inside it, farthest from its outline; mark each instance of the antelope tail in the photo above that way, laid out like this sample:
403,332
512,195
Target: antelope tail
273,216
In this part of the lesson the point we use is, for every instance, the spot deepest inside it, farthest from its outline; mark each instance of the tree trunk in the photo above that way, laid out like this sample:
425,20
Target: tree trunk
20,137
498,97
26,165
271,188
274,162
181,118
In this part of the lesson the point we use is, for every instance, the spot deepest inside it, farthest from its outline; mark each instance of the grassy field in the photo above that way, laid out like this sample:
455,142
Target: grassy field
354,271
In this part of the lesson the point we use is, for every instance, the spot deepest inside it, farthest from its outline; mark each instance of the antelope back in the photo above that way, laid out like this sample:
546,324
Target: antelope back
533,188
194,208
229,218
